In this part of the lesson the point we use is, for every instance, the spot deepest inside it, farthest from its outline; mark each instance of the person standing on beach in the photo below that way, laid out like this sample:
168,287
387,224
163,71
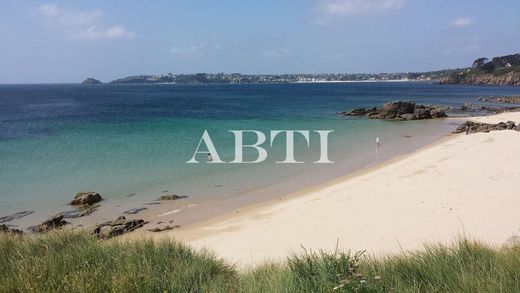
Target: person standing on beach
378,142
210,157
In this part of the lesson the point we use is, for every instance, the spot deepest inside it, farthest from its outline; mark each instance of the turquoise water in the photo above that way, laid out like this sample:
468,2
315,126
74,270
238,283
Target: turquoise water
123,140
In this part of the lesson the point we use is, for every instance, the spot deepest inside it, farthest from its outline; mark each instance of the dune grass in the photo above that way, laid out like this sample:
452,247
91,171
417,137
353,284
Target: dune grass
74,262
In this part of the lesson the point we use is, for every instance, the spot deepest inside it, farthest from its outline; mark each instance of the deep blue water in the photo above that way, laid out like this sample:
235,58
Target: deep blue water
56,140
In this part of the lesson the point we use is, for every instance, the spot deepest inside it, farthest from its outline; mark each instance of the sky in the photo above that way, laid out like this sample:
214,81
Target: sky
68,41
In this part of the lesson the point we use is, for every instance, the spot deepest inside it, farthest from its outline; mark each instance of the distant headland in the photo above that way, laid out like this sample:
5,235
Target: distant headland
503,70
91,80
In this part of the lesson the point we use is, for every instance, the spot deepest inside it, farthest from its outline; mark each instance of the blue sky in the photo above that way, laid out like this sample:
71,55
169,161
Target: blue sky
67,41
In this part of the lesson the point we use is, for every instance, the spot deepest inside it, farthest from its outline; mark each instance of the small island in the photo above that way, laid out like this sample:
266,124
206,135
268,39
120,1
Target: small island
91,80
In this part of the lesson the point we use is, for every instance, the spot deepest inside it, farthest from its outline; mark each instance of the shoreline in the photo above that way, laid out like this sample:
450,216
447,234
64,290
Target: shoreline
286,225
207,210
192,210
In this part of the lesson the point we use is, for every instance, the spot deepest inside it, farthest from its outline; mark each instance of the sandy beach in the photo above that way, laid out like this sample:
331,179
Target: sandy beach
463,185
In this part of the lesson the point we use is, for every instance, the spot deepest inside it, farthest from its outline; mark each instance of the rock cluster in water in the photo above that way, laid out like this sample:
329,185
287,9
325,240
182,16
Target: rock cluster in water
400,110
474,127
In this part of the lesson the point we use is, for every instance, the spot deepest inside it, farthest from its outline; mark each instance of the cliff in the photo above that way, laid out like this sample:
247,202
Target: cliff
502,70
509,78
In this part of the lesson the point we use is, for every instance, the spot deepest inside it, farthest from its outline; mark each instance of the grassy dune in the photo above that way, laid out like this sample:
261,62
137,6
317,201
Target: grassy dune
74,262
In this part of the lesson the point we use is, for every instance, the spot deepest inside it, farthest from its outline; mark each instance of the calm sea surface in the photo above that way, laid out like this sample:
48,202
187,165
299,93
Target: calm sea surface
131,142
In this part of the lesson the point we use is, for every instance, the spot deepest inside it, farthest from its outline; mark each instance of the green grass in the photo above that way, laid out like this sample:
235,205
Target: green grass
74,262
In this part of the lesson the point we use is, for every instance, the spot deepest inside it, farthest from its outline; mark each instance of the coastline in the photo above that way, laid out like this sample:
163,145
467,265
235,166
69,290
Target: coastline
192,210
381,209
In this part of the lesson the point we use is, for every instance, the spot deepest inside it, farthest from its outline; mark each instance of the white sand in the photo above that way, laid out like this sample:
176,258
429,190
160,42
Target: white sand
467,184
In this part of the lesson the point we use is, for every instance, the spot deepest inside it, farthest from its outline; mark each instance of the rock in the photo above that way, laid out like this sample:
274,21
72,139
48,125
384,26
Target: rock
134,211
86,198
50,224
356,112
395,109
408,116
91,80
474,127
438,112
5,229
165,228
501,126
400,110
15,216
118,227
171,197
507,100
507,109
466,107
81,211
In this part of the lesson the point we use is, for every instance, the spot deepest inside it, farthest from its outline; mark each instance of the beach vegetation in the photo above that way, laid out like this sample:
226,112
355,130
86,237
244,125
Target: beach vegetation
64,261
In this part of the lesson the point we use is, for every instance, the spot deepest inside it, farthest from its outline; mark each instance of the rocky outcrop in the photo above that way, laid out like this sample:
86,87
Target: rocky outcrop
400,110
86,198
91,80
118,227
5,229
50,224
474,127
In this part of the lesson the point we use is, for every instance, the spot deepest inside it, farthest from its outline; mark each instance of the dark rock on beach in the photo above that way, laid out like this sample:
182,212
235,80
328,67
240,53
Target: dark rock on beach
171,197
400,110
118,227
5,229
165,228
474,127
50,224
86,198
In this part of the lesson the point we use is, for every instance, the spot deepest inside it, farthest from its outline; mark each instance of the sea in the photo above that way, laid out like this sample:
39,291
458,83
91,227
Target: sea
131,142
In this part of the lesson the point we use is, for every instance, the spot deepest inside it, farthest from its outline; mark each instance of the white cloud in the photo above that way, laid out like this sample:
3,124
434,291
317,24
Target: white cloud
93,32
276,53
462,22
81,24
337,8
